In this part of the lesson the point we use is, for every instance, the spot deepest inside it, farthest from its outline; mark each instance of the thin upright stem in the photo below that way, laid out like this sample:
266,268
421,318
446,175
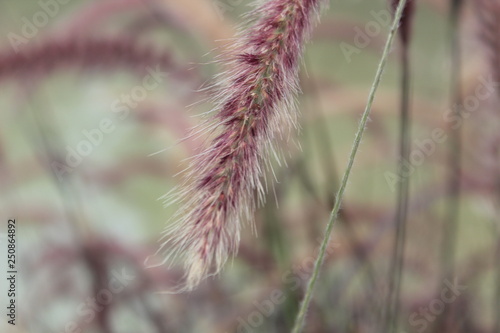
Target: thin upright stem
397,262
300,319
450,228
364,263
455,148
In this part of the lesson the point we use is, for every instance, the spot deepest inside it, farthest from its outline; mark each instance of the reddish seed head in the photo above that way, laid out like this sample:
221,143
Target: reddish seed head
254,103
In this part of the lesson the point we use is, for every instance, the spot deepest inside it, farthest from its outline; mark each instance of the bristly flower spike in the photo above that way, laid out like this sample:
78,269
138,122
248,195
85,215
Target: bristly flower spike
254,103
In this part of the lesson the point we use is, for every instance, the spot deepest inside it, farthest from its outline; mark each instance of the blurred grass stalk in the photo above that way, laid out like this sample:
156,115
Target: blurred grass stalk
402,198
450,226
300,319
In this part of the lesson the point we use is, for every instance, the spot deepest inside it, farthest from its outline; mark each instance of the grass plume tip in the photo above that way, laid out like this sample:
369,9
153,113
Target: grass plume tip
254,103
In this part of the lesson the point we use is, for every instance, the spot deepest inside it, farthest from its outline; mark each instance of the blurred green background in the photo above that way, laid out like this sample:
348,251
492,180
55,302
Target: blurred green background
78,231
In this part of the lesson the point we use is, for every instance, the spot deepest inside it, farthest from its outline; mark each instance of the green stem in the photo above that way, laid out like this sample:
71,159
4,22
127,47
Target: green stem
454,163
397,262
300,319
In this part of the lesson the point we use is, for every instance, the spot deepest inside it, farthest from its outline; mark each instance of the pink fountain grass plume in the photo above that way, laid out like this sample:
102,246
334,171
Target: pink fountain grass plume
254,104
